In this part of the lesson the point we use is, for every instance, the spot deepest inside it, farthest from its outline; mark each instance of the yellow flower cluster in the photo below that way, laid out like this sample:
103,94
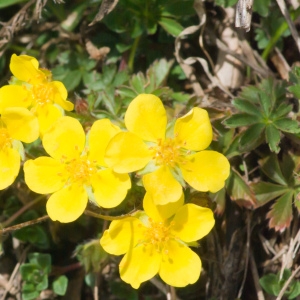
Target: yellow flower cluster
96,167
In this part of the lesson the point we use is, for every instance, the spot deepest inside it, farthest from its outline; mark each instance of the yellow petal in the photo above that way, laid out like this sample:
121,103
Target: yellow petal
101,133
67,204
193,131
192,222
65,139
14,95
21,124
110,188
126,153
160,213
60,96
140,264
47,115
162,186
180,266
146,117
25,68
206,171
9,167
122,235
44,175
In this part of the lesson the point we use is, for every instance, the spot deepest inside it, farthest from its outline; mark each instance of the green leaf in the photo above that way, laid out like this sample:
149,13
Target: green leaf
60,285
239,190
262,7
30,295
137,82
171,26
43,283
271,167
252,137
126,91
180,97
239,120
287,125
295,90
281,213
280,111
6,3
35,235
180,8
270,283
226,3
246,107
295,290
272,137
42,260
266,191
220,199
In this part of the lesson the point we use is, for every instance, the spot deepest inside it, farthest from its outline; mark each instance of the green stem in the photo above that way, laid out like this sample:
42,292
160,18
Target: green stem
133,52
105,217
278,34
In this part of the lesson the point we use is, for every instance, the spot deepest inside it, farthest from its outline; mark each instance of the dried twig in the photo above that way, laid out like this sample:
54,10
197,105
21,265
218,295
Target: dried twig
288,19
287,283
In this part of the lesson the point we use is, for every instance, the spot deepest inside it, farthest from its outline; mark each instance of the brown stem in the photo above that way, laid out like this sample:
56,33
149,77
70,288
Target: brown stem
22,225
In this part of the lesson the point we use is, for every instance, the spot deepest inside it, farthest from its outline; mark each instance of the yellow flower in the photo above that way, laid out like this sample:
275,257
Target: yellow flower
167,155
75,172
35,90
156,241
16,124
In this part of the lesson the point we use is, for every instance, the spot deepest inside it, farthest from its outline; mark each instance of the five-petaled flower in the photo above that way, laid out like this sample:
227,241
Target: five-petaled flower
157,241
74,171
34,89
16,124
167,155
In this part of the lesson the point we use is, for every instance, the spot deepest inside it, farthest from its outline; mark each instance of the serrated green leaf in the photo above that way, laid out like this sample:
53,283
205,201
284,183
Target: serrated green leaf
281,213
266,103
295,90
272,137
181,97
239,190
60,285
138,82
280,111
287,125
266,191
271,167
270,283
171,26
240,120
246,107
250,93
126,91
252,137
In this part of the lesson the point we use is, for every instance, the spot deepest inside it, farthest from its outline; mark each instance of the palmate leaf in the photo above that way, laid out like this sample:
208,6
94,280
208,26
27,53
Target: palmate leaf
281,213
266,191
252,137
271,167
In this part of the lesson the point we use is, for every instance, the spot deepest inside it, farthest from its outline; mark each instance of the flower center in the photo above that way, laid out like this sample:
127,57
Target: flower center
158,234
167,153
80,170
5,139
42,93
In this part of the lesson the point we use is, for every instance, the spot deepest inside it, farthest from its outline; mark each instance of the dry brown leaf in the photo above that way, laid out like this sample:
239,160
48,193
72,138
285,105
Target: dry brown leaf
106,7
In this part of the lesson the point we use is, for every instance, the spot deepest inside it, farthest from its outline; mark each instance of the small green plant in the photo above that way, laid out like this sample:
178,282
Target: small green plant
35,276
272,284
